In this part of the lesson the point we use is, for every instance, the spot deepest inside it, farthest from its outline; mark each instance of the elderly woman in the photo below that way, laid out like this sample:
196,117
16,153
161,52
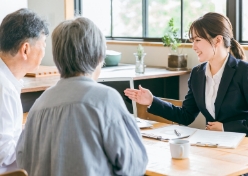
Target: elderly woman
80,127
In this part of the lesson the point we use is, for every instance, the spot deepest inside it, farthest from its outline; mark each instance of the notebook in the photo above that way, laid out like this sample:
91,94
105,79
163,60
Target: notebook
197,137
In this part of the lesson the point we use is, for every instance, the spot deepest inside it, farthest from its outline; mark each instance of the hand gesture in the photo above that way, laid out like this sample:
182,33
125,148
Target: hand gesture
142,96
215,126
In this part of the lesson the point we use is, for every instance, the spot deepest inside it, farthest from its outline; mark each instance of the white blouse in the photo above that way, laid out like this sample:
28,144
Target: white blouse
212,86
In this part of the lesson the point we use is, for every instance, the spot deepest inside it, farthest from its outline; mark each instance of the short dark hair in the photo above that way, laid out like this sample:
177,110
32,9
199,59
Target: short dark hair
19,27
78,47
212,24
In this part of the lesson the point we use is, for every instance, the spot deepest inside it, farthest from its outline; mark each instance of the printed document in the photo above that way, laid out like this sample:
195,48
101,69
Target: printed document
197,137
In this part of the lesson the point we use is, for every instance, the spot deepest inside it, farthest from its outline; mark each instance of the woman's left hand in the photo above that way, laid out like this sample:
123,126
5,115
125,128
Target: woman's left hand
215,126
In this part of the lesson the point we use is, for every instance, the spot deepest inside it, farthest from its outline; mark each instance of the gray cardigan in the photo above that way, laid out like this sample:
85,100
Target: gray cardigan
80,127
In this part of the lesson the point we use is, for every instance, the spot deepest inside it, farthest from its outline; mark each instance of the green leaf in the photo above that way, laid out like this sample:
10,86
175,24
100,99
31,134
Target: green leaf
170,39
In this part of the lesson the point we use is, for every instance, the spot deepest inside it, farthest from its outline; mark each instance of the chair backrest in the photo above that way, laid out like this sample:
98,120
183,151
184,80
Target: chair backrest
24,119
19,172
142,111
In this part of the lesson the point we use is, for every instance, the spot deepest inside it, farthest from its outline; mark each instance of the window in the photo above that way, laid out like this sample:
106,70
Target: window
148,19
244,26
193,9
98,11
159,14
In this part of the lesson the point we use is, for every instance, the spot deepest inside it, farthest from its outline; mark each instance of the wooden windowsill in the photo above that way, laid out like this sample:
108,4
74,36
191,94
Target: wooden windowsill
157,44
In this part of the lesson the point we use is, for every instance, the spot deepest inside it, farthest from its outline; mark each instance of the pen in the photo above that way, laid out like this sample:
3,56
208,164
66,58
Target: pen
177,133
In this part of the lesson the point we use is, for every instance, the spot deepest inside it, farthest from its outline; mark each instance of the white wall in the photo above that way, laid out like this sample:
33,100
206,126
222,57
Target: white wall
54,12
155,55
8,6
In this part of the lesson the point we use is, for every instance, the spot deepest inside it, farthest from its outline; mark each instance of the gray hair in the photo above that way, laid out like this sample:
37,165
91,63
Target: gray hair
18,27
78,47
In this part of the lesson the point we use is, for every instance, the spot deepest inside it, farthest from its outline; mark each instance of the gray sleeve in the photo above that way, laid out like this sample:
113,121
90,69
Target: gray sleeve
122,141
20,151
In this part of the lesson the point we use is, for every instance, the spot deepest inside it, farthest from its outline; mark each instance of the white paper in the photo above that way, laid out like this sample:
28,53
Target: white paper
157,152
221,139
143,123
168,132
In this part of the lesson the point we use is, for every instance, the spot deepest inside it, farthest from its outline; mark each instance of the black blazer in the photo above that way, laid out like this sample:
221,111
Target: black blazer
231,104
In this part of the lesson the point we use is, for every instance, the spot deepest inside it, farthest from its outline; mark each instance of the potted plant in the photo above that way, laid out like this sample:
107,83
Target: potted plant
139,55
176,60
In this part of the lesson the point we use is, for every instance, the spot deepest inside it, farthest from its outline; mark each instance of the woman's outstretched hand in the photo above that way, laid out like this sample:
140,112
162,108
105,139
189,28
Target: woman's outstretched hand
142,96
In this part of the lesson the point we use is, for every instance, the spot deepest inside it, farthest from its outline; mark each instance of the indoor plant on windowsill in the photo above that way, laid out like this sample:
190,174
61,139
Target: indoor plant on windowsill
176,60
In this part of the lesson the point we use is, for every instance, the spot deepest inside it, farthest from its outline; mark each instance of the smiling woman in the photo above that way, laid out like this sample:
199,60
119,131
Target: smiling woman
216,88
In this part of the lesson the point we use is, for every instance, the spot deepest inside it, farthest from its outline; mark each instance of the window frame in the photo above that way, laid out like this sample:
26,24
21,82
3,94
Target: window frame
233,12
241,40
78,7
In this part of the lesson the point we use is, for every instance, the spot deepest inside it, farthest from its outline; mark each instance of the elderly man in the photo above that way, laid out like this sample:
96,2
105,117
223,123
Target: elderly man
22,46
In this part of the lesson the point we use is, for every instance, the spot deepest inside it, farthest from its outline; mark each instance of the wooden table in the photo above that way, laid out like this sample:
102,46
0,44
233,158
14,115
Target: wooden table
202,161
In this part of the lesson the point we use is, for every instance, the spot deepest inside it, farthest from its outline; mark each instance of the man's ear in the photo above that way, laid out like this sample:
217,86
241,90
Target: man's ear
25,50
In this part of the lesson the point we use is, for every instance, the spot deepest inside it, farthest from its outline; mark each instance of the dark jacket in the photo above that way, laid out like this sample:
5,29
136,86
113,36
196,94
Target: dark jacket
231,104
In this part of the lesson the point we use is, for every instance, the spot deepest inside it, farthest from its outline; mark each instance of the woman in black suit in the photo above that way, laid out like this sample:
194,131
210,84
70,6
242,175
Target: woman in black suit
218,88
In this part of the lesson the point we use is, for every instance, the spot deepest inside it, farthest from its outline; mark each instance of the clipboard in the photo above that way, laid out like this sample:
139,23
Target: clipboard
199,144
216,139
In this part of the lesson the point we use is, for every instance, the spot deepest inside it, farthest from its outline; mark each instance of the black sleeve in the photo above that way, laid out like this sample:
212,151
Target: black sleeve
183,115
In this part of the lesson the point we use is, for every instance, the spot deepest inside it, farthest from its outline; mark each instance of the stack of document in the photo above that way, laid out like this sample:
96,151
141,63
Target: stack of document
197,137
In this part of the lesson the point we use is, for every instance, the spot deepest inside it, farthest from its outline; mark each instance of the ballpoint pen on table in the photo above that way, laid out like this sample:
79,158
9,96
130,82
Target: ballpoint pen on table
177,133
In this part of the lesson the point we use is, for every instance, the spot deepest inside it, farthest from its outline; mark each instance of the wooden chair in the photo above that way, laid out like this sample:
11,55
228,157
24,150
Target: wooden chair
24,117
143,114
19,172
